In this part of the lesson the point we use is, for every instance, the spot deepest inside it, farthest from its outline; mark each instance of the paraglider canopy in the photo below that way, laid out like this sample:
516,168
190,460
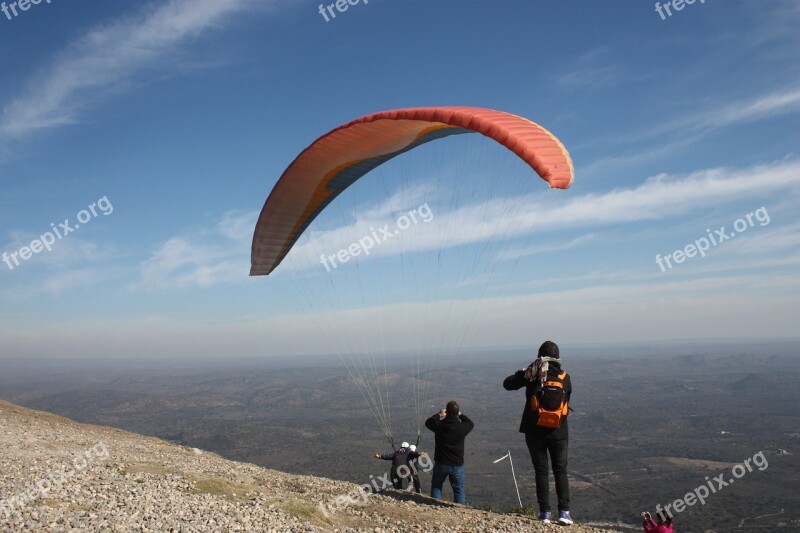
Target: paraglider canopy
337,159
415,293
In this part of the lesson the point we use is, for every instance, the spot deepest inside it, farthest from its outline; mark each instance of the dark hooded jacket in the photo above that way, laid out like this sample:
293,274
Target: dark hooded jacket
450,434
529,418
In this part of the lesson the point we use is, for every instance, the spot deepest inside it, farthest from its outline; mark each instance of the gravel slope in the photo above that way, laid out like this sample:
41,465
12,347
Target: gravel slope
58,475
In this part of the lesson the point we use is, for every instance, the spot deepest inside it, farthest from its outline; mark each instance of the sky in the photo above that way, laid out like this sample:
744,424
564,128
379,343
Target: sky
159,129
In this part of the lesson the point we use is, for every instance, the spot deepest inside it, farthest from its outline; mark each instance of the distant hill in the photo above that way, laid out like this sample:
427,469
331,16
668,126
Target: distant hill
752,382
59,475
646,428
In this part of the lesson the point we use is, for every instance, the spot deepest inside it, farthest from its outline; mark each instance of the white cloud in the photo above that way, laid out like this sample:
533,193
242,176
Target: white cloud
221,254
694,124
108,57
689,128
593,77
62,282
592,70
515,253
760,241
664,196
202,258
64,253
728,307
760,107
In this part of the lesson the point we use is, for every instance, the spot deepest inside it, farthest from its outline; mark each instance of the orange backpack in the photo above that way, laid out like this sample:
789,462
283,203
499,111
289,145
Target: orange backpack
550,402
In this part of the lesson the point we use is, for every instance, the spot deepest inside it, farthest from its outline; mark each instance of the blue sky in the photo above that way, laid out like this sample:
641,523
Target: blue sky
183,114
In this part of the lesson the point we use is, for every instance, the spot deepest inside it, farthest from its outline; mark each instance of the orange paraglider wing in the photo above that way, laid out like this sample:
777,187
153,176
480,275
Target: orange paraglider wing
337,159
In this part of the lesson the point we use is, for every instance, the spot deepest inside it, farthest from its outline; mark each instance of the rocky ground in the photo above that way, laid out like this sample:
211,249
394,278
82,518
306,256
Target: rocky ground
58,475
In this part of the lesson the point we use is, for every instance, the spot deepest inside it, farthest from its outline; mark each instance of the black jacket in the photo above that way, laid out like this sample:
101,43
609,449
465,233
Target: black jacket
400,457
450,435
529,418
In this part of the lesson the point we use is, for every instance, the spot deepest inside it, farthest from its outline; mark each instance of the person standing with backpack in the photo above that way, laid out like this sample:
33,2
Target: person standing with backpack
544,423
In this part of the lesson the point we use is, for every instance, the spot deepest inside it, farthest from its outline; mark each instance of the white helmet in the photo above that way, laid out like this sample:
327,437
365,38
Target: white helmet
412,448
404,445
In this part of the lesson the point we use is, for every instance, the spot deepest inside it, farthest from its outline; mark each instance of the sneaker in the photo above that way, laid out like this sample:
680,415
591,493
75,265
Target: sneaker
564,518
545,517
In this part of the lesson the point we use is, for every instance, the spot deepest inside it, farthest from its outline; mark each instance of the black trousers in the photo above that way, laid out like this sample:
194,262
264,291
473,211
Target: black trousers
397,481
539,449
416,483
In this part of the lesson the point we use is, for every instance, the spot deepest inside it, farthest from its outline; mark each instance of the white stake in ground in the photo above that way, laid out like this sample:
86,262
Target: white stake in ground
512,474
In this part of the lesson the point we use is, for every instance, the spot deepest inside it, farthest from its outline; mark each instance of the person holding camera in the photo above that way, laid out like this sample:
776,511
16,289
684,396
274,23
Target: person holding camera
451,427
544,422
664,524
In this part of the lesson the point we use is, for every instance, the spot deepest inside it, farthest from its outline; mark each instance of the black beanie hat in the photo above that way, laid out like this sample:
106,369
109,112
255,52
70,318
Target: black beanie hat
548,349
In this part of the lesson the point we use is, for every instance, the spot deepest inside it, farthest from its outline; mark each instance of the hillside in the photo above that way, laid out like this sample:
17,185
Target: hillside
58,475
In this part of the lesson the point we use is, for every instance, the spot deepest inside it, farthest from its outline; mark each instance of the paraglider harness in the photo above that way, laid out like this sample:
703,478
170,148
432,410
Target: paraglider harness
398,460
550,397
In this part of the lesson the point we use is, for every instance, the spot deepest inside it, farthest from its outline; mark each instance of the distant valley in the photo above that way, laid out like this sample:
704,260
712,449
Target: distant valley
650,422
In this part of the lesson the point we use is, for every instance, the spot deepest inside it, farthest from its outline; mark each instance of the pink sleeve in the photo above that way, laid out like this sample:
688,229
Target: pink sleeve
649,526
